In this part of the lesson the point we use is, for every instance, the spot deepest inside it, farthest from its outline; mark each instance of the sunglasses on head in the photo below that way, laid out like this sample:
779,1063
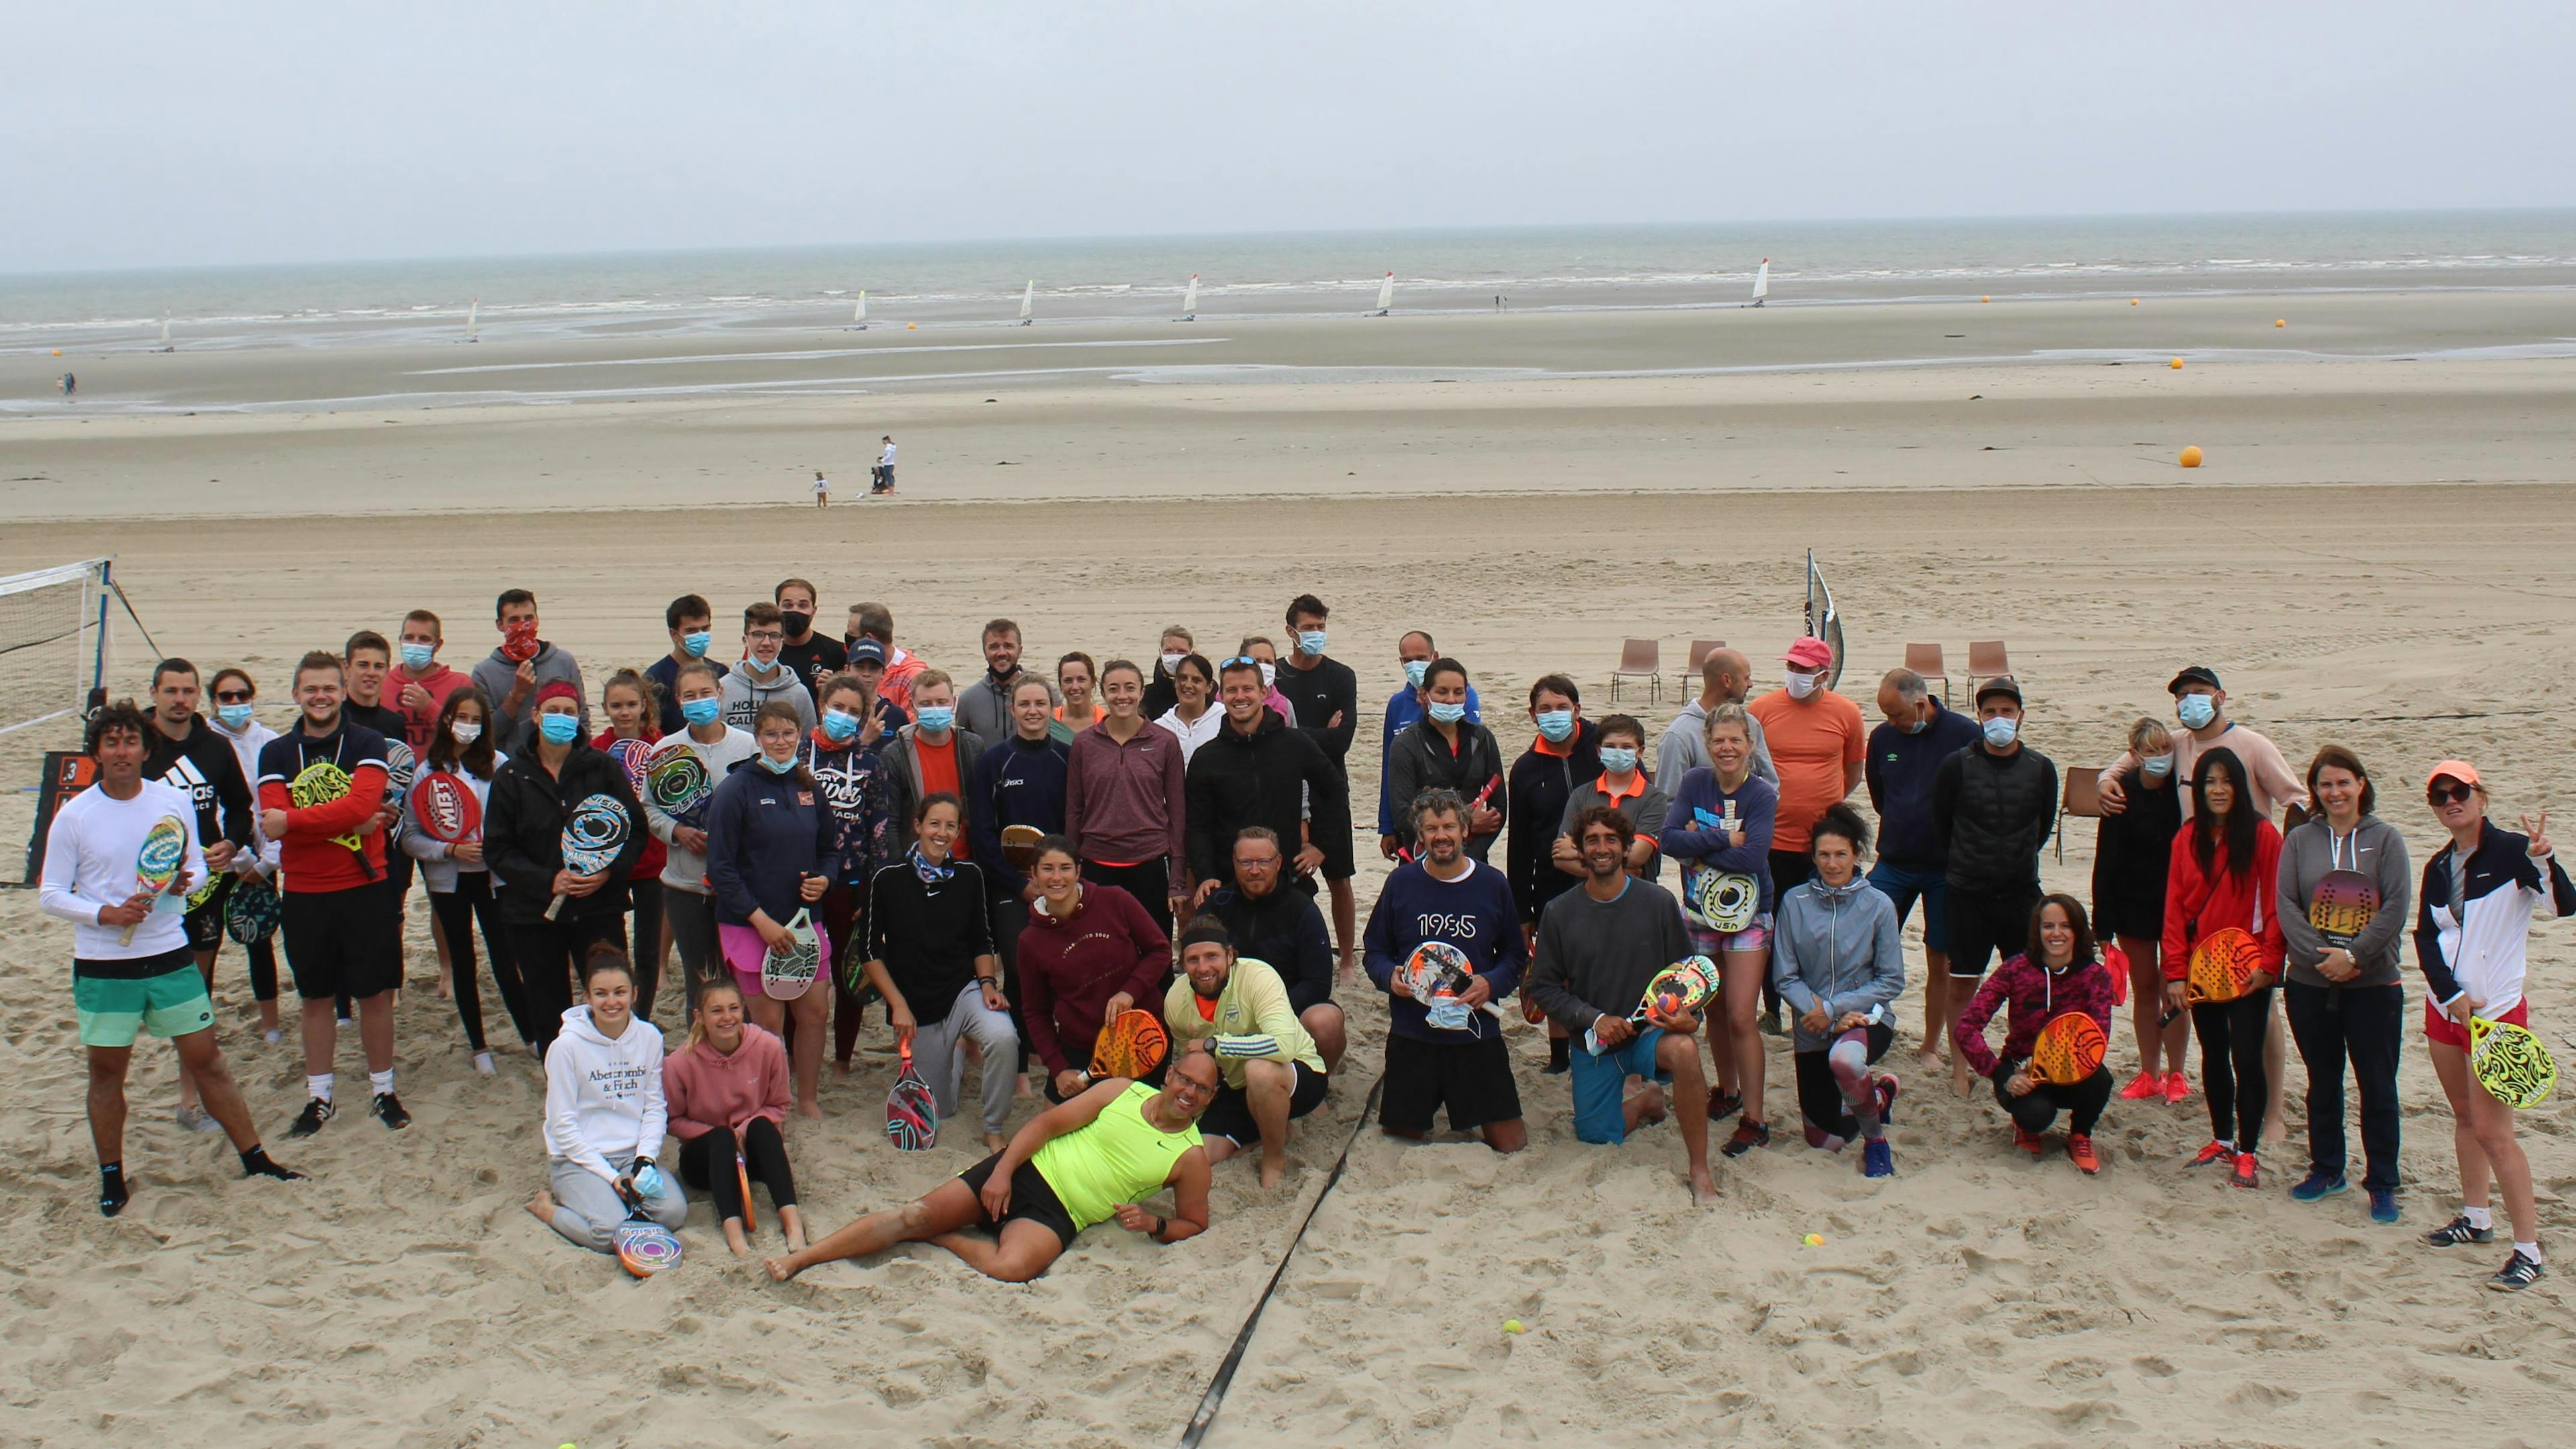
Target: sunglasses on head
2449,794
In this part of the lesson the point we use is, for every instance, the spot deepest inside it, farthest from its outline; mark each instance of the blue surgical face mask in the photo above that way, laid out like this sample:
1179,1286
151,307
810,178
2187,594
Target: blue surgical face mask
559,729
1916,727
697,643
2000,731
839,724
1448,1014
234,716
777,767
2157,767
936,718
416,657
1310,641
1445,713
2196,710
702,711
1414,670
1618,761
1554,725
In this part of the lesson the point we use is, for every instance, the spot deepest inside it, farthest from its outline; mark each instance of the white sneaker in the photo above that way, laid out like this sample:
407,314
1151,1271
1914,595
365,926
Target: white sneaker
198,1119
483,1064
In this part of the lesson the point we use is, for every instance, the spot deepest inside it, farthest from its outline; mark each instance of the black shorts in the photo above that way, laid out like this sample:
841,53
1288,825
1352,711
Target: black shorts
398,871
1472,1077
1230,1115
343,943
206,923
1988,924
1820,1097
1032,1200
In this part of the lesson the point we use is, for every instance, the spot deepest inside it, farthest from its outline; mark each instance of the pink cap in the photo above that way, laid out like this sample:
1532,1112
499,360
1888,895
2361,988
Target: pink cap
1809,653
2460,770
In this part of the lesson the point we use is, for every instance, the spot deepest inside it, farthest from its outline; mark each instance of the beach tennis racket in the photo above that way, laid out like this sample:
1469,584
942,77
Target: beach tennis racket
1437,972
2222,967
446,808
742,1184
643,1245
2070,1049
788,974
677,782
2344,902
320,783
912,1115
592,835
2511,1063
252,911
1132,1045
1724,901
1020,845
1679,989
630,755
401,765
156,863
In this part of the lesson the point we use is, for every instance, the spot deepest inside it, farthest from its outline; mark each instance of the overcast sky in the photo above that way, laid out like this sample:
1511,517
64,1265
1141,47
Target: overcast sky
149,135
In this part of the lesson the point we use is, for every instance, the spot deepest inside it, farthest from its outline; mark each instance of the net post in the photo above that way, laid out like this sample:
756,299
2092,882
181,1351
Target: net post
98,668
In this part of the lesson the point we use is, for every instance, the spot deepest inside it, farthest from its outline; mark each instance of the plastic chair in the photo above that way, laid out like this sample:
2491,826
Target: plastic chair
1700,649
2082,797
1986,660
1925,659
1640,659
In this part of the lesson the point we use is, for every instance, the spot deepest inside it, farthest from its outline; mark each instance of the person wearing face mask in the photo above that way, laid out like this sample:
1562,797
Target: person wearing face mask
1995,802
1414,653
2226,874
2201,704
2346,895
1563,755
1913,860
461,896
628,701
688,903
841,754
418,684
1194,717
1816,738
1623,786
1839,961
1726,676
813,656
510,674
1325,695
984,707
934,755
531,798
2053,975
2132,853
772,845
235,694
880,717
1445,750
691,620
1160,694
763,674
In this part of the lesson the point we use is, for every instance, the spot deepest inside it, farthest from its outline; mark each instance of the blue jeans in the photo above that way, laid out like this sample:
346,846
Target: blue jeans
1904,887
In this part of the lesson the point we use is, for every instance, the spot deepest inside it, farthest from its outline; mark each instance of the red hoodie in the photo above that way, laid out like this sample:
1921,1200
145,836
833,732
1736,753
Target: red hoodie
1069,969
420,726
2198,904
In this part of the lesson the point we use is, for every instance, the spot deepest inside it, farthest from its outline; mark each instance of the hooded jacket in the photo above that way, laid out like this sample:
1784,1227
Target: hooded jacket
2198,903
420,726
765,834
1542,780
523,821
1996,811
1838,949
204,768
2308,854
1265,778
2473,943
706,1091
854,786
744,695
1253,1022
495,672
1070,968
1421,760
902,756
2037,997
604,1105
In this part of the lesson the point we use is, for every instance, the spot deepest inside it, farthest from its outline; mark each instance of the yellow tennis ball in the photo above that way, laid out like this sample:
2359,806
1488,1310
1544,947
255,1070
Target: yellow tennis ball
2190,458
1514,1325
1815,1240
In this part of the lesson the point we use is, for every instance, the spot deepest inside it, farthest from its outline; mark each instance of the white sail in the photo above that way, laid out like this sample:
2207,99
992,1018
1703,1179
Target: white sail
860,314
1762,282
1386,294
1190,300
165,329
473,310
1028,301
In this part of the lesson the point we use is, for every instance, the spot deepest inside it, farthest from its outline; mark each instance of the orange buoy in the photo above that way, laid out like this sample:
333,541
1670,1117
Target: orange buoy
1985,299
2133,301
2190,458
2176,364
2280,321
912,327
58,352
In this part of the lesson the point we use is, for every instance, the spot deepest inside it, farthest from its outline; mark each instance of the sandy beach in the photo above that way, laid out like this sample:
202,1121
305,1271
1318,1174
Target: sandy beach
2375,554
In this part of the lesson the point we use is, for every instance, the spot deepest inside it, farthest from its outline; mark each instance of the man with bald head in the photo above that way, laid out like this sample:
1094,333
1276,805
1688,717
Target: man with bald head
1913,858
1725,676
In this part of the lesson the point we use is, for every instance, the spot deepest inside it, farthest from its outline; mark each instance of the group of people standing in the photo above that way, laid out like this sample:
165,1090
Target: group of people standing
1005,866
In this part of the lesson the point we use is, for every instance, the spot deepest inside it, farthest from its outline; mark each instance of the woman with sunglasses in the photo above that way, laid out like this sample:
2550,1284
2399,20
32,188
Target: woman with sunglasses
2225,873
2478,897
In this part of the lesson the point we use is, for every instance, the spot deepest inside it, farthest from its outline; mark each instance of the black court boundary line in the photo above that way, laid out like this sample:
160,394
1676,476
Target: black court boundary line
1205,1417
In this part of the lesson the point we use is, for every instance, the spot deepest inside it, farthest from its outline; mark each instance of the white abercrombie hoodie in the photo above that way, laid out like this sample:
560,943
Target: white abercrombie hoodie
604,1097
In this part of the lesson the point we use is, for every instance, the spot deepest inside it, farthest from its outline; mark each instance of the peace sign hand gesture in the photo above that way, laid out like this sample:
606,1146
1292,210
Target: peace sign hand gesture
2538,830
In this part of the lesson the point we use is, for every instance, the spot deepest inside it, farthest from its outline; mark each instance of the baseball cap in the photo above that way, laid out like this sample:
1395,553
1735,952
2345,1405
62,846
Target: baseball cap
2196,674
2001,684
1809,653
2460,770
866,648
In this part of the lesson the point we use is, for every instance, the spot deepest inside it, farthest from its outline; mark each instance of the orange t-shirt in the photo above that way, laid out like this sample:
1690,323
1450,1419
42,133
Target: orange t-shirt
938,766
1811,744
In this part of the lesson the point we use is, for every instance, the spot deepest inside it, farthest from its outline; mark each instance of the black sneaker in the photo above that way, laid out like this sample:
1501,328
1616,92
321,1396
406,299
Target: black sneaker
2517,1274
2456,1232
310,1120
1748,1135
389,1110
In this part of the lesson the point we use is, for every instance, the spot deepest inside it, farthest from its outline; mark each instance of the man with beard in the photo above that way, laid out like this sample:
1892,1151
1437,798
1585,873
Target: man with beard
1238,1011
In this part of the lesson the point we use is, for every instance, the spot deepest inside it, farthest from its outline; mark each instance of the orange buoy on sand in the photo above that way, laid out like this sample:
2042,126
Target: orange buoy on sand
912,327
2176,364
2280,321
2133,301
1985,299
2190,458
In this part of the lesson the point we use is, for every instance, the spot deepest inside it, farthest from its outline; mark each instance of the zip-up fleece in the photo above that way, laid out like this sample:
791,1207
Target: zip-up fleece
2037,996
1839,949
2375,849
1254,1022
2197,904
2476,946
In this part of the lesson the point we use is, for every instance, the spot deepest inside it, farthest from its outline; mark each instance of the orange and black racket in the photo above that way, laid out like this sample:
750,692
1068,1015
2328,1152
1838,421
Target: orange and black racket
2222,968
1132,1045
2069,1049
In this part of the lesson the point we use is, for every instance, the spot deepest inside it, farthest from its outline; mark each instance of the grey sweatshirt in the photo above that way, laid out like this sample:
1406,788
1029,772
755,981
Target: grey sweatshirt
1684,747
985,709
743,696
2374,849
1838,949
494,673
1594,958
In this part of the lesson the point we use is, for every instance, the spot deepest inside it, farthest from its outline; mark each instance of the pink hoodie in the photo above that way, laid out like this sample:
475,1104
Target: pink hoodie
705,1091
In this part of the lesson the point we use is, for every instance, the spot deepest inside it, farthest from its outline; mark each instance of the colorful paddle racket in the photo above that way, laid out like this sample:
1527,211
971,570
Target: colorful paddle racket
593,833
320,783
788,974
445,806
2511,1063
677,782
645,1246
2222,966
1679,989
252,911
2068,1050
630,755
912,1114
156,863
1437,972
1724,901
2344,902
400,766
1020,845
1132,1045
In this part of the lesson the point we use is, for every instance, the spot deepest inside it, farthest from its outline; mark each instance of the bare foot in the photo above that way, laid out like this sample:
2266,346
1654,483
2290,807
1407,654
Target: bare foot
1929,1058
1020,1088
782,1269
810,1109
1650,1106
1274,1168
542,1208
1963,1084
995,1142
1703,1188
735,1239
840,1069
793,1225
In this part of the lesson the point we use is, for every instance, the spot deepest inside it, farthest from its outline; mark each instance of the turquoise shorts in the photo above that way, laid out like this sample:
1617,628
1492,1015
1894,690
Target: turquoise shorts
1600,1109
113,1011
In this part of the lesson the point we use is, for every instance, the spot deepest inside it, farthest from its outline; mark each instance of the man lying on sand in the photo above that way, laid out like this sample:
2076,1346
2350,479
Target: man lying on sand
1080,1163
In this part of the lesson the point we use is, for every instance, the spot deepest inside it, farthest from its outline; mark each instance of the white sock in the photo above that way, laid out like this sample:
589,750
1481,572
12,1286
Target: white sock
273,1036
483,1063
317,1085
381,1082
2479,1218
2528,1250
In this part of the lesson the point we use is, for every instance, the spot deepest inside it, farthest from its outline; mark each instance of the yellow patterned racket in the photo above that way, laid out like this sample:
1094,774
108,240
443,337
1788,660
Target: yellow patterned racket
2511,1063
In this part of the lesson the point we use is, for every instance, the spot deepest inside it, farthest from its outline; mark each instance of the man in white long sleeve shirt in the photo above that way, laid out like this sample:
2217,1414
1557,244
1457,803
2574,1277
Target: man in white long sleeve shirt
132,970
885,468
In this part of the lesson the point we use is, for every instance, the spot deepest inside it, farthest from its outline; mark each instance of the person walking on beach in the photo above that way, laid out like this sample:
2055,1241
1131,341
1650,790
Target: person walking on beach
1994,803
884,474
132,969
822,490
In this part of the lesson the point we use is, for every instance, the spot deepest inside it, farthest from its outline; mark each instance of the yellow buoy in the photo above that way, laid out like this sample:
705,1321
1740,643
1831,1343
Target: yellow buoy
2190,458
2176,364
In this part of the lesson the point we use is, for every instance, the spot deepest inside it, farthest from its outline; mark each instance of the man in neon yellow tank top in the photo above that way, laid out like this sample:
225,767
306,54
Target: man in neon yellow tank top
1086,1161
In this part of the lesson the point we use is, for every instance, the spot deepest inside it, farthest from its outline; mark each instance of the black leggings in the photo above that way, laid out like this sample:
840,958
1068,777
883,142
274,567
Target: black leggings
644,896
548,953
2082,1103
473,898
2231,1064
706,1163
